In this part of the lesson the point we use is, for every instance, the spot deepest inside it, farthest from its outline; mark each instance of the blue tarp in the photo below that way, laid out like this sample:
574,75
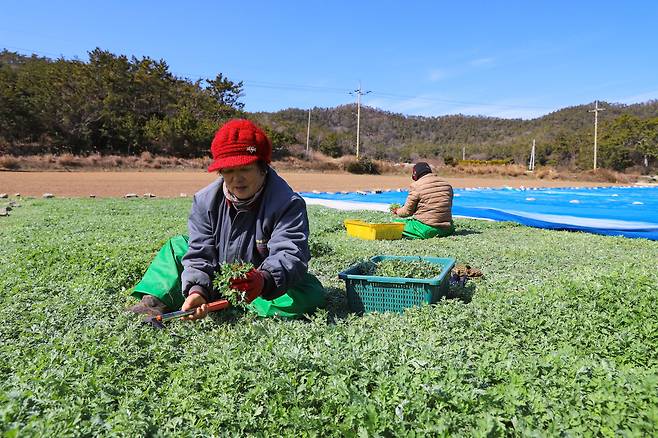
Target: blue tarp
613,211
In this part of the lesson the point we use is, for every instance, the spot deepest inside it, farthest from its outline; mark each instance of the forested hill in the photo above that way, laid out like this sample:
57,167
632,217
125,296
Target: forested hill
112,104
563,137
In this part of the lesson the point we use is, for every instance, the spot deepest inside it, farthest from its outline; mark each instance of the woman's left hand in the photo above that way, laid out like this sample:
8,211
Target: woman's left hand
252,285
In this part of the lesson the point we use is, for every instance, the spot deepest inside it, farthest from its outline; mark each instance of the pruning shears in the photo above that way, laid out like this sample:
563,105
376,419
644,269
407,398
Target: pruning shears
158,320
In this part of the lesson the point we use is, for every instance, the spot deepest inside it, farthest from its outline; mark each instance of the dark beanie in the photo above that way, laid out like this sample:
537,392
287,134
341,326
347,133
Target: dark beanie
420,170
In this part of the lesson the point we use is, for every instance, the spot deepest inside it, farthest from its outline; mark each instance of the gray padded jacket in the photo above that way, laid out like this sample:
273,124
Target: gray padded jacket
272,235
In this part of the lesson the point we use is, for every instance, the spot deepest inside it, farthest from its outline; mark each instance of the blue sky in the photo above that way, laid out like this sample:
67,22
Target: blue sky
497,58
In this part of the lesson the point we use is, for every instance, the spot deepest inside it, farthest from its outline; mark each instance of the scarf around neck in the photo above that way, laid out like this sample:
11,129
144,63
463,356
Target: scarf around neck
242,204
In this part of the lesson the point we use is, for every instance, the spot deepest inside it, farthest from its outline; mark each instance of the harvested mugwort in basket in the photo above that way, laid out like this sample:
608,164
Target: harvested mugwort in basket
370,288
402,268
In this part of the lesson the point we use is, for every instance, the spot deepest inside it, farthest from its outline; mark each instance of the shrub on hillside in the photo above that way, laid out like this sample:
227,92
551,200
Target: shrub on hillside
362,166
5,147
331,145
449,161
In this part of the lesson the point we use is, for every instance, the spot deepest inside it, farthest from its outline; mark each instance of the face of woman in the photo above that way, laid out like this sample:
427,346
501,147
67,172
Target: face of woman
243,181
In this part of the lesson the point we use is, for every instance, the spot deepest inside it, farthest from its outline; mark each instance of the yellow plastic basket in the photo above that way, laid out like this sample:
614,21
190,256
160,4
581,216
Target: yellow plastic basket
367,231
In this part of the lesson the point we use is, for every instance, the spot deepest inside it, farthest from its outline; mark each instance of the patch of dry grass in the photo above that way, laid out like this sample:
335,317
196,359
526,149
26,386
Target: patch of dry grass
69,160
607,175
316,162
547,173
96,161
502,169
9,162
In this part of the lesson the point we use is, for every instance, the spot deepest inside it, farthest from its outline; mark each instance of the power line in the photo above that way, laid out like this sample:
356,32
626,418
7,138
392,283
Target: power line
458,102
334,90
273,85
32,52
300,87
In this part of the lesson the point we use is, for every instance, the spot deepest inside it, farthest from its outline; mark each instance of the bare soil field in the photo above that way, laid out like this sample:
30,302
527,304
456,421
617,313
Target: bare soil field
172,184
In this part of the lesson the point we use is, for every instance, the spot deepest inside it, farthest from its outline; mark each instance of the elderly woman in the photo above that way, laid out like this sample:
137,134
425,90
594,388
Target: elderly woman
250,214
430,203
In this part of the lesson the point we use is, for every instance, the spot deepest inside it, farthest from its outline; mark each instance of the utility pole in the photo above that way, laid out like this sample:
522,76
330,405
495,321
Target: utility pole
463,153
596,126
531,165
308,131
358,93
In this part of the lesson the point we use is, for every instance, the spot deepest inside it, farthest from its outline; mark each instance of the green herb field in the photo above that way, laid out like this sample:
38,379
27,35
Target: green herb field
560,337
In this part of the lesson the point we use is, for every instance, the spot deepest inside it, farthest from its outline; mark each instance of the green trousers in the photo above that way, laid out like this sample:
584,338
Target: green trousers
415,229
162,280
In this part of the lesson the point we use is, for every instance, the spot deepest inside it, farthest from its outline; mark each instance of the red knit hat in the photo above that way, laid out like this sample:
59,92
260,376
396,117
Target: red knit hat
238,143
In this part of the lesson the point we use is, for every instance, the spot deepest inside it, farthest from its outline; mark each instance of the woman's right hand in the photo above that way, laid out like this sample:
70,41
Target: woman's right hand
198,302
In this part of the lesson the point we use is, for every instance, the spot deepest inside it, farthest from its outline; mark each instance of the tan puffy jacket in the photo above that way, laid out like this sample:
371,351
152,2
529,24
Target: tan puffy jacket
429,201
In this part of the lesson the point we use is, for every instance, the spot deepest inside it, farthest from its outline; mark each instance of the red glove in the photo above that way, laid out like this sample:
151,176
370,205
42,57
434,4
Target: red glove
252,285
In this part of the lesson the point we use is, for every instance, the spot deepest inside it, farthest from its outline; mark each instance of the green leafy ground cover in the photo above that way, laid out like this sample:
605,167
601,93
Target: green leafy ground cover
559,338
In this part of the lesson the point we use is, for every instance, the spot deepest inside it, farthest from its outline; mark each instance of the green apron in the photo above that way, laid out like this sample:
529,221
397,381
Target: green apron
162,280
415,229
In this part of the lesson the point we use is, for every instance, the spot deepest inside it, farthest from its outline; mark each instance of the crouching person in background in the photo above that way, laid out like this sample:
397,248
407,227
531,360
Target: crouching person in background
430,203
250,214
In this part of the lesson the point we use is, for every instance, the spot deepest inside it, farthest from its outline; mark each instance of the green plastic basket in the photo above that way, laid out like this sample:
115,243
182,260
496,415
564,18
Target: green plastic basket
367,293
